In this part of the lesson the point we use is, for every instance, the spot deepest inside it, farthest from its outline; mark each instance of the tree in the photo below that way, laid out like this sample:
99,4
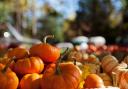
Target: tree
99,17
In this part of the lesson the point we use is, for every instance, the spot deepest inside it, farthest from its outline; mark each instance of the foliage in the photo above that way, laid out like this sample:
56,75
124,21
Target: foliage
100,17
93,17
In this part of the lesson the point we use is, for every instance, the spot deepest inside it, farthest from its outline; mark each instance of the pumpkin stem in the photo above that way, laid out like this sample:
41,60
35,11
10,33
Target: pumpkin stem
8,64
74,60
46,37
58,70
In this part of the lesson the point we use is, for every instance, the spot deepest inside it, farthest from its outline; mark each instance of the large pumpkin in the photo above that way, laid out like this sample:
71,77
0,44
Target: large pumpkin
45,51
8,79
93,81
64,76
29,65
30,81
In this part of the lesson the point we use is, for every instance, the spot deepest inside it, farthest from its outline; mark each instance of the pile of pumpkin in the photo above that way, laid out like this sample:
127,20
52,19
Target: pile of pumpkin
40,67
37,68
108,70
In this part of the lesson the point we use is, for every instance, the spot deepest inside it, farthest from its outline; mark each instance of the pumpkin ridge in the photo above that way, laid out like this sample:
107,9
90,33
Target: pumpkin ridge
113,68
107,63
28,66
32,63
65,76
71,74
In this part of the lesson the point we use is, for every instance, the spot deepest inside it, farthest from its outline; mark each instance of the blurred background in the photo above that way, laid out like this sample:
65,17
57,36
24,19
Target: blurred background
28,21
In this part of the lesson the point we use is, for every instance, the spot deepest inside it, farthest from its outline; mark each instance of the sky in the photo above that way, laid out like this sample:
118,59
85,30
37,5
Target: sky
117,4
67,7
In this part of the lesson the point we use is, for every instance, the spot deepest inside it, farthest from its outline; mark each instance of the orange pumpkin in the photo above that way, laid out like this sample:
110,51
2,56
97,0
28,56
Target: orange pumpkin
119,70
93,81
8,79
30,81
29,65
63,76
45,51
124,80
17,52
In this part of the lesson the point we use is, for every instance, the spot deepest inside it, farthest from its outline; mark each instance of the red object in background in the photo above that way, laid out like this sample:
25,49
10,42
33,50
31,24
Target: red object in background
92,47
106,48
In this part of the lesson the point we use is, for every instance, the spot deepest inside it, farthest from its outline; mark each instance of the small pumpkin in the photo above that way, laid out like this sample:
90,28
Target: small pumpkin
92,59
77,55
5,60
29,65
108,63
17,52
45,51
61,76
8,78
30,81
93,81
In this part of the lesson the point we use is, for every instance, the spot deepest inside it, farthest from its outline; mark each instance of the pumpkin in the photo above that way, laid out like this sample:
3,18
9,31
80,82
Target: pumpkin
93,81
45,51
122,65
61,76
29,65
30,81
77,55
92,59
5,60
106,79
17,52
8,79
108,63
124,80
118,70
